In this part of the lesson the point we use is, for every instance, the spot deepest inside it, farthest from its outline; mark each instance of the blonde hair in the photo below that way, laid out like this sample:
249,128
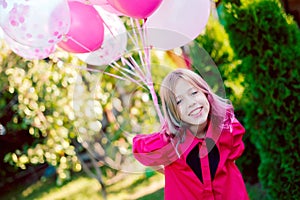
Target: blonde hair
218,105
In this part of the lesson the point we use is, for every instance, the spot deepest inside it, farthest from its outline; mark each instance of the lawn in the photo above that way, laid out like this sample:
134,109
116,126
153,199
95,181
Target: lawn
121,187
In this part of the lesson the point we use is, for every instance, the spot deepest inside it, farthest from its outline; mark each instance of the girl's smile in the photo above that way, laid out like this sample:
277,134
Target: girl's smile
196,112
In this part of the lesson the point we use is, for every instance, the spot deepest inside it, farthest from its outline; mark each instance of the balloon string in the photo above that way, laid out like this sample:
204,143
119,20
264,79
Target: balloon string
128,78
149,77
147,60
147,53
137,67
132,39
78,43
140,76
143,57
108,28
126,70
135,38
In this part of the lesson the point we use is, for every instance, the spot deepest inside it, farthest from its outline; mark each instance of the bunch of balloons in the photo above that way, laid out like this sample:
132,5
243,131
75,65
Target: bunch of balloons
93,29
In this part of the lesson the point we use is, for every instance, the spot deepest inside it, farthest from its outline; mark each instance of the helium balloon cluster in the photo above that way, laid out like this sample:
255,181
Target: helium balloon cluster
93,29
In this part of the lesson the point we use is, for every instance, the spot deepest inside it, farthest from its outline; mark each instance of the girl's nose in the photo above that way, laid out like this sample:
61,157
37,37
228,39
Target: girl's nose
192,104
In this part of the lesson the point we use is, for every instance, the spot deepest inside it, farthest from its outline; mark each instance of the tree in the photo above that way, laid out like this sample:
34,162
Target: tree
69,110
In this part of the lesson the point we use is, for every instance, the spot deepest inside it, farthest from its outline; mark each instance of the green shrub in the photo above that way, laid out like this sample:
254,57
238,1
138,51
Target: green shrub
268,42
216,42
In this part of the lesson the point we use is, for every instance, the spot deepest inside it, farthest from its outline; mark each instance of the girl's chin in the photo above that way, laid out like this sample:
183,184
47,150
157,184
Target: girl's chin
198,122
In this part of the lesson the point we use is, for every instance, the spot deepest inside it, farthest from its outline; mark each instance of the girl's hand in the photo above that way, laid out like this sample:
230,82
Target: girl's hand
165,130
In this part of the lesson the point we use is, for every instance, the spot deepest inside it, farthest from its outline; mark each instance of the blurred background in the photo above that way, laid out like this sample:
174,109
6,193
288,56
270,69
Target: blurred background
65,133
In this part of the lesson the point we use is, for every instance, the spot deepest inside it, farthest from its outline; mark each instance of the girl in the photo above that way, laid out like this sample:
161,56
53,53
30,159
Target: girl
198,144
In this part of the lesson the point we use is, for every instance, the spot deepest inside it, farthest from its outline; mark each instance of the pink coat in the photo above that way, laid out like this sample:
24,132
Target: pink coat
212,176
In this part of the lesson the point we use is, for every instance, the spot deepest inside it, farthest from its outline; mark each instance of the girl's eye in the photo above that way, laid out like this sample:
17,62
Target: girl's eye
178,102
195,92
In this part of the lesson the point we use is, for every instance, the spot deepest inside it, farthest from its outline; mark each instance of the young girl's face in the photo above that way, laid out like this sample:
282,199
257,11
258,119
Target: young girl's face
192,103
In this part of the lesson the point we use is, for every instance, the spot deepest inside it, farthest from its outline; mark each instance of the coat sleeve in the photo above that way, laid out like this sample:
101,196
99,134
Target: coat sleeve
153,149
237,132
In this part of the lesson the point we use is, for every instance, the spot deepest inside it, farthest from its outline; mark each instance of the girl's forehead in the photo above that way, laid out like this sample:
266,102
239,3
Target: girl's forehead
182,87
182,82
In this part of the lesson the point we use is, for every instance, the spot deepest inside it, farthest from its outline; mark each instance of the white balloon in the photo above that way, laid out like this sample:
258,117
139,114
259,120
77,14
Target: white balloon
114,43
177,22
28,52
36,23
1,33
103,3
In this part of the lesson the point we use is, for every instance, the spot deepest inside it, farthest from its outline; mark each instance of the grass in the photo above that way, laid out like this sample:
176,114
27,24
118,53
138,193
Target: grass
127,187
122,187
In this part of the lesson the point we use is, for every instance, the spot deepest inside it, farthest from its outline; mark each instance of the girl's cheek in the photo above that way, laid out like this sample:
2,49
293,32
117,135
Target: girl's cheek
180,110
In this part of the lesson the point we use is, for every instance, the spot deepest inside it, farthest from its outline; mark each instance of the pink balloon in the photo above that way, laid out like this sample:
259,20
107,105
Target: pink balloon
86,30
176,23
139,9
114,43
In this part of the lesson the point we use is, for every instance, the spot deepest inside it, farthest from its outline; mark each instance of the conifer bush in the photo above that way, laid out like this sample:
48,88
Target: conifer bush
216,42
267,41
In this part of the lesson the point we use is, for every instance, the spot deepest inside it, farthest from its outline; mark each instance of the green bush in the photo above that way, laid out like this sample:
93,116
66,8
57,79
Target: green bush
216,42
268,43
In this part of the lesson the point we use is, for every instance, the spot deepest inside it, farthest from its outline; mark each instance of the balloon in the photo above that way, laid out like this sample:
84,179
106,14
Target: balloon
92,2
1,34
177,22
139,9
114,43
27,51
35,23
103,3
86,29
109,8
